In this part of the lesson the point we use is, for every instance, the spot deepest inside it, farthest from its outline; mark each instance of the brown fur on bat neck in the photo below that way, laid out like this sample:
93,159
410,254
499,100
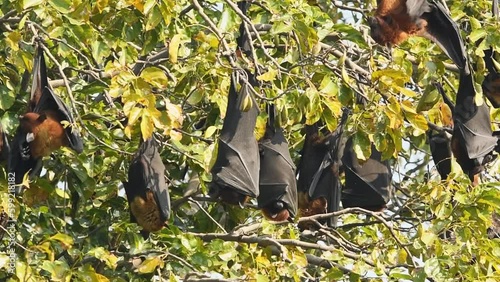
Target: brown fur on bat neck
147,213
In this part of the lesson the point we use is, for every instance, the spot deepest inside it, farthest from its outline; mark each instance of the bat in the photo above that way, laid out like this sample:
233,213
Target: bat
235,174
318,184
440,142
368,184
40,131
146,189
396,20
472,141
491,83
278,185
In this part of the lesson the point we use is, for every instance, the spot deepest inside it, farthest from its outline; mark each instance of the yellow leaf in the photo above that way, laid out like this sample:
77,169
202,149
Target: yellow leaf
173,48
149,265
134,115
268,76
155,76
147,127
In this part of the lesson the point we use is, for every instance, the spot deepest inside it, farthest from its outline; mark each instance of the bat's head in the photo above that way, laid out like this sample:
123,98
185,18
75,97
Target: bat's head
228,195
276,211
384,30
30,120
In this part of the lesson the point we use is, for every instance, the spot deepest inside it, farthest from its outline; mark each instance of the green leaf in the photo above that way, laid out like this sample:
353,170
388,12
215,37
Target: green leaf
31,3
7,98
63,6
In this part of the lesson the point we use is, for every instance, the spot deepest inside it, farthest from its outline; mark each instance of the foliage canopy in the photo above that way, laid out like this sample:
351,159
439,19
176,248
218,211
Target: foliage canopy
130,68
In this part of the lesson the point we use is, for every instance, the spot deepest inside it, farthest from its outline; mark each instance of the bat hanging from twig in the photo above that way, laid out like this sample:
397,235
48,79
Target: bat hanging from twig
472,141
319,185
278,185
40,130
146,189
396,20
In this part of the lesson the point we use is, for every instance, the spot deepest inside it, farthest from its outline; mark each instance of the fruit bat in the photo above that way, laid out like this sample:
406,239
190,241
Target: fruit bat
440,142
235,174
396,20
472,141
491,83
318,184
278,185
40,131
146,189
368,184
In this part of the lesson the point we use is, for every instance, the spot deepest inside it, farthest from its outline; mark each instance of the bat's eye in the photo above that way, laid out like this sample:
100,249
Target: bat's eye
388,20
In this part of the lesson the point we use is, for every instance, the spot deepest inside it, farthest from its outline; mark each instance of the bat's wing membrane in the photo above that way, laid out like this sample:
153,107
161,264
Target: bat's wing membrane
443,31
367,185
277,171
237,164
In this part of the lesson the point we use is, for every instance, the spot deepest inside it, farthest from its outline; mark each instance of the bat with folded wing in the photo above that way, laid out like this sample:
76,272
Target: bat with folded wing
278,185
367,184
440,142
396,20
235,174
146,189
319,186
472,141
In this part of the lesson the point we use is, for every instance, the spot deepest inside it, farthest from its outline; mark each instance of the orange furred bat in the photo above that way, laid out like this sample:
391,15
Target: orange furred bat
147,191
396,20
40,130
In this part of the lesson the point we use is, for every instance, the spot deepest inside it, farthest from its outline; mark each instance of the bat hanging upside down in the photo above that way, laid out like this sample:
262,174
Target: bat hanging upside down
40,131
396,20
147,191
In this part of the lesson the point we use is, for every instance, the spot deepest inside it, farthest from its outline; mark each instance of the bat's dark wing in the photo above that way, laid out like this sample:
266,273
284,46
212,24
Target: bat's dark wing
491,83
277,173
19,163
319,167
44,99
441,152
367,185
4,145
440,142
237,164
472,123
151,172
443,31
147,191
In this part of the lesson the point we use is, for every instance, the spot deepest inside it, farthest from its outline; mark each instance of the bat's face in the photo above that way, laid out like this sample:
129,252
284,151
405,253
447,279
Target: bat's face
29,121
276,211
385,31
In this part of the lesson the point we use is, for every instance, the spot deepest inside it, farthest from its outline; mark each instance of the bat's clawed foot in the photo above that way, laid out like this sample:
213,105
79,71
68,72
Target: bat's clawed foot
25,152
